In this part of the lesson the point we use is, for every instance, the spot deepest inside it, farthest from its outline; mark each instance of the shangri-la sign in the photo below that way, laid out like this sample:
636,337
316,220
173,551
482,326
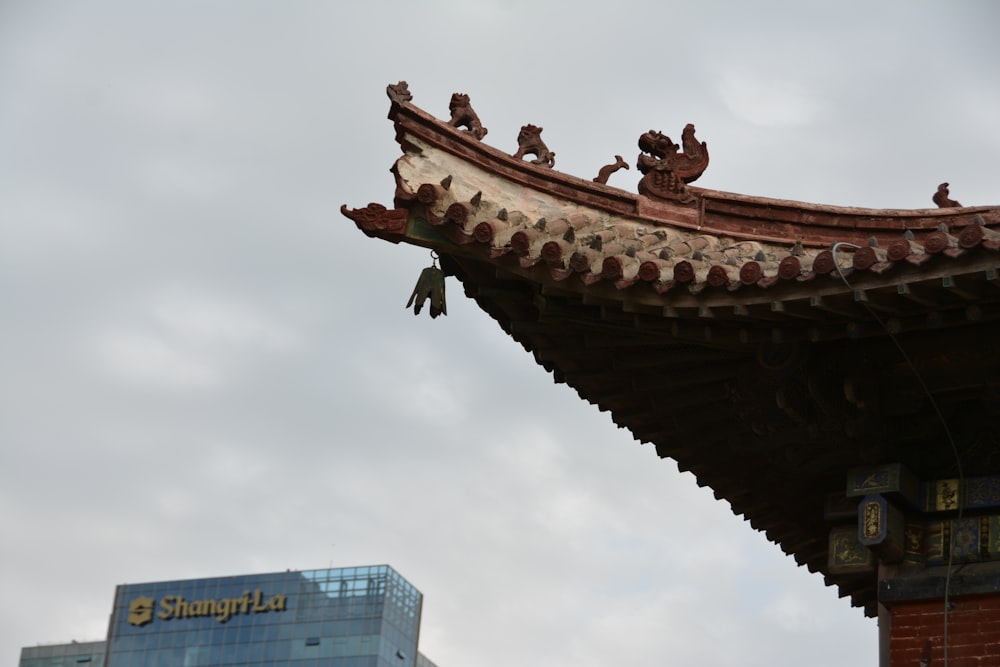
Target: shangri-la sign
141,609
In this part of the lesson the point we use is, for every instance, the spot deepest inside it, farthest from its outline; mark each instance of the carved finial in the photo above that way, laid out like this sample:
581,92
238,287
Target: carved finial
797,250
377,220
570,235
665,254
872,242
462,115
399,92
597,243
942,227
942,199
630,251
529,142
909,235
761,257
502,214
608,169
476,198
446,183
540,225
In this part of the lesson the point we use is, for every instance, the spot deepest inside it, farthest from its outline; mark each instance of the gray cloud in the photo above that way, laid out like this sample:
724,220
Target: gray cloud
207,370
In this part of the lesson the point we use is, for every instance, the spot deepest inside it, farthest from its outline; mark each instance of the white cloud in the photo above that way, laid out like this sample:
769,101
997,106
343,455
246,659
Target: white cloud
199,351
792,612
147,359
767,99
181,339
203,320
174,177
172,102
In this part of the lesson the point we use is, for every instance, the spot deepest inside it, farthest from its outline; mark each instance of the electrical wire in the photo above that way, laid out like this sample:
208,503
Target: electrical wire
944,424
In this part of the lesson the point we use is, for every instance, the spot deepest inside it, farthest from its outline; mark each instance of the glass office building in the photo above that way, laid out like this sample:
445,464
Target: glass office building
346,617
75,654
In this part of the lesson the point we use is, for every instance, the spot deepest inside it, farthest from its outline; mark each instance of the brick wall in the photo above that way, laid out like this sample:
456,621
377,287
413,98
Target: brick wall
973,632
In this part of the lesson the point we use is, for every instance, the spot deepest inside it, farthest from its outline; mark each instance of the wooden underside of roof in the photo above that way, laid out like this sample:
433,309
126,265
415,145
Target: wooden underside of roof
764,410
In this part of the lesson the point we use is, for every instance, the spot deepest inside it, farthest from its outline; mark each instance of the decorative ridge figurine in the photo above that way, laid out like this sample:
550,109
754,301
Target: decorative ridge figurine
399,92
942,198
529,142
665,171
608,169
462,115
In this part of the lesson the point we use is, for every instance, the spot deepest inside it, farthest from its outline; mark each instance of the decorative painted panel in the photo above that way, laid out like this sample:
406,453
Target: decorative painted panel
847,555
892,478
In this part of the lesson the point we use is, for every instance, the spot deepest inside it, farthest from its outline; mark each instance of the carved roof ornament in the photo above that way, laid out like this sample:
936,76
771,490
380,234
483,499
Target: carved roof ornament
942,198
399,92
665,171
529,142
462,115
605,172
661,248
377,221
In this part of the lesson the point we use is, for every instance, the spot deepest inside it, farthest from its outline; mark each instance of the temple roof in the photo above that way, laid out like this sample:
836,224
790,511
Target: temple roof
766,345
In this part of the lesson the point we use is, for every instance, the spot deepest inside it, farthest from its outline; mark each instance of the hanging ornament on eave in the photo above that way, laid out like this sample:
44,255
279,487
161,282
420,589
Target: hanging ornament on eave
430,285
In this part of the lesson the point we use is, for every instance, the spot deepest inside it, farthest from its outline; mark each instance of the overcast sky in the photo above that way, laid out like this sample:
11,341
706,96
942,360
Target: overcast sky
206,370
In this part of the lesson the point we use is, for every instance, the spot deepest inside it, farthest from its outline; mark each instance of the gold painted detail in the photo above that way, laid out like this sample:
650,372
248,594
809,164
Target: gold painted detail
846,555
913,542
872,520
222,609
994,538
946,496
891,478
873,481
847,551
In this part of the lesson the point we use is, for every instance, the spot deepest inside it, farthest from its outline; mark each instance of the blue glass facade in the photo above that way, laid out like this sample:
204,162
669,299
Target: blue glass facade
75,654
346,617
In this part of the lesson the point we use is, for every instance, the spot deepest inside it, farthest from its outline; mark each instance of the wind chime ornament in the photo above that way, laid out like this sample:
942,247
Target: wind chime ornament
430,285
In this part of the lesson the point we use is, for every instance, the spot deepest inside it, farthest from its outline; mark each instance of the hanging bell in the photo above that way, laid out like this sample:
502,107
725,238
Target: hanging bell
430,285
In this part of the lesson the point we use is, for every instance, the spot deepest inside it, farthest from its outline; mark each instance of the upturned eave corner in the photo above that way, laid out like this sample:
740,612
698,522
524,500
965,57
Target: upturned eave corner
677,307
668,241
377,221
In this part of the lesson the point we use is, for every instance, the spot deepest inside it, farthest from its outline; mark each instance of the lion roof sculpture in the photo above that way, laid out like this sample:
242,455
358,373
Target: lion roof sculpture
529,142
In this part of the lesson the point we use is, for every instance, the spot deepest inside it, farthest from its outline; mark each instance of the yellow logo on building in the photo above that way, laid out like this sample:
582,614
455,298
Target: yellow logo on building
140,612
222,609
